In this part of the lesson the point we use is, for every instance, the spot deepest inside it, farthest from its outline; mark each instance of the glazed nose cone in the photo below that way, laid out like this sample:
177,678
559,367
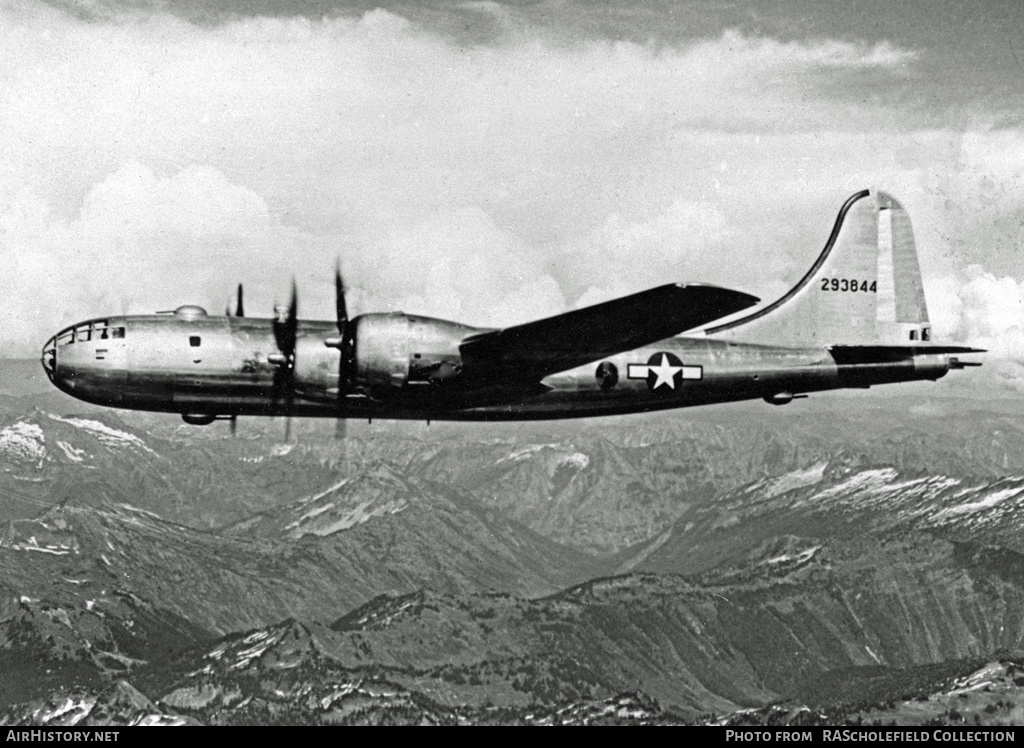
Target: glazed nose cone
49,358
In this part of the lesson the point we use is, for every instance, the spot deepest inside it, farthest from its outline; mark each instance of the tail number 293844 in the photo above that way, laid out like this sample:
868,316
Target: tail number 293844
846,284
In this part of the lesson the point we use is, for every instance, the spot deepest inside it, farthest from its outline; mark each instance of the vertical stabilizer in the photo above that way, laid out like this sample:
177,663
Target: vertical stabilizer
864,289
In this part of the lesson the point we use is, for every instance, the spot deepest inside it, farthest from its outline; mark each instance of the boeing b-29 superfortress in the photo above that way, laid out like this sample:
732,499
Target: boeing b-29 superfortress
856,319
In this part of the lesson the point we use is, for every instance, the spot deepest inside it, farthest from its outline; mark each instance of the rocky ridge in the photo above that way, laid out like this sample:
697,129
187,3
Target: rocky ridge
657,572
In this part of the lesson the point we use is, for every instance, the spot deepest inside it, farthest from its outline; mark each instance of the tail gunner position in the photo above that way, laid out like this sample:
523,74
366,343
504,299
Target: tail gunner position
856,319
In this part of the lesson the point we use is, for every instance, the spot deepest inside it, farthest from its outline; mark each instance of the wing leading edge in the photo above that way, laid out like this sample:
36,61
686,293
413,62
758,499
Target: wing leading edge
537,349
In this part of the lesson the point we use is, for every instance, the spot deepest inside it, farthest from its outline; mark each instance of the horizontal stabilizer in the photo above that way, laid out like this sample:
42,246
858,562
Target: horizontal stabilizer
537,349
874,354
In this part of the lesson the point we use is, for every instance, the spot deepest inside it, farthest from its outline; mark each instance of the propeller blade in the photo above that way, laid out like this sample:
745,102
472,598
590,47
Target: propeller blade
345,344
285,328
339,299
293,311
339,295
285,334
239,308
234,425
291,331
340,429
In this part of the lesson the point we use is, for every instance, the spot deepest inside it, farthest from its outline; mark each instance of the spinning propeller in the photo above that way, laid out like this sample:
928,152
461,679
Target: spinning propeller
285,325
345,344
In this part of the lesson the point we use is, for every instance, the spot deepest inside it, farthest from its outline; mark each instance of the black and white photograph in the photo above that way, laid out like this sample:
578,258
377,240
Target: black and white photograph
512,362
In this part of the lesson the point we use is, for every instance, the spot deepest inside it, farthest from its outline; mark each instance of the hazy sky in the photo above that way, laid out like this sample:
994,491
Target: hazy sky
496,162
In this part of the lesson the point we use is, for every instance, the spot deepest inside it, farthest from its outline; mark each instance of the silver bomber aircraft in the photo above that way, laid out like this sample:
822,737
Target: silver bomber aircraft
856,319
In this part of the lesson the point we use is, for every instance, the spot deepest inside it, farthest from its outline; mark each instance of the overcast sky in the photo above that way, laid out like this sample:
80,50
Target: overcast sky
497,162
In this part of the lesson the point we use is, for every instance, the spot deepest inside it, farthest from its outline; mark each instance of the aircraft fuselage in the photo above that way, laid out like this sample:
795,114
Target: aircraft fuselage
410,367
856,318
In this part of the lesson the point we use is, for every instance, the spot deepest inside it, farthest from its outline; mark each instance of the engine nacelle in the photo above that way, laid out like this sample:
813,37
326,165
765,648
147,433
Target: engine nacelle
394,351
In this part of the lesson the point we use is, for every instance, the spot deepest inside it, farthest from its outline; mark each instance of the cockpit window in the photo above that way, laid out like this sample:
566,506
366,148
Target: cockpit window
97,329
194,341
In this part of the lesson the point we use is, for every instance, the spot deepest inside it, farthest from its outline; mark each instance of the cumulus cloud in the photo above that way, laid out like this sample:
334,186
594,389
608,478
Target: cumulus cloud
137,242
151,162
460,264
985,311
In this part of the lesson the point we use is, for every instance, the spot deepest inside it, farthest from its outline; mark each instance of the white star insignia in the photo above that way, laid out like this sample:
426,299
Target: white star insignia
665,372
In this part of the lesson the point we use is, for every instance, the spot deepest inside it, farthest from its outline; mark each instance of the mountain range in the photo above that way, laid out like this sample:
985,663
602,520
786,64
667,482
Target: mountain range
743,564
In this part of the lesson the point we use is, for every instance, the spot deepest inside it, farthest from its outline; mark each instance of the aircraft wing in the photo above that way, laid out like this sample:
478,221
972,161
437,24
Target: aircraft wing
537,349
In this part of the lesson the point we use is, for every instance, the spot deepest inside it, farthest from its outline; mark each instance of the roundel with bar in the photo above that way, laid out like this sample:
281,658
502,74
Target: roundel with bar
664,372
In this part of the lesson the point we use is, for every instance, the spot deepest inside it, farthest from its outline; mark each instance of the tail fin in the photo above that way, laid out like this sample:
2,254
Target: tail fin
864,289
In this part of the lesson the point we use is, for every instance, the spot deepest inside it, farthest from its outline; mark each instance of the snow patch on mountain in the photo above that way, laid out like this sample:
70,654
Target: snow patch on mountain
867,480
238,654
316,523
326,491
986,502
799,558
309,515
24,442
790,481
72,453
33,545
577,460
108,436
71,711
525,454
162,720
986,677
340,691
260,641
